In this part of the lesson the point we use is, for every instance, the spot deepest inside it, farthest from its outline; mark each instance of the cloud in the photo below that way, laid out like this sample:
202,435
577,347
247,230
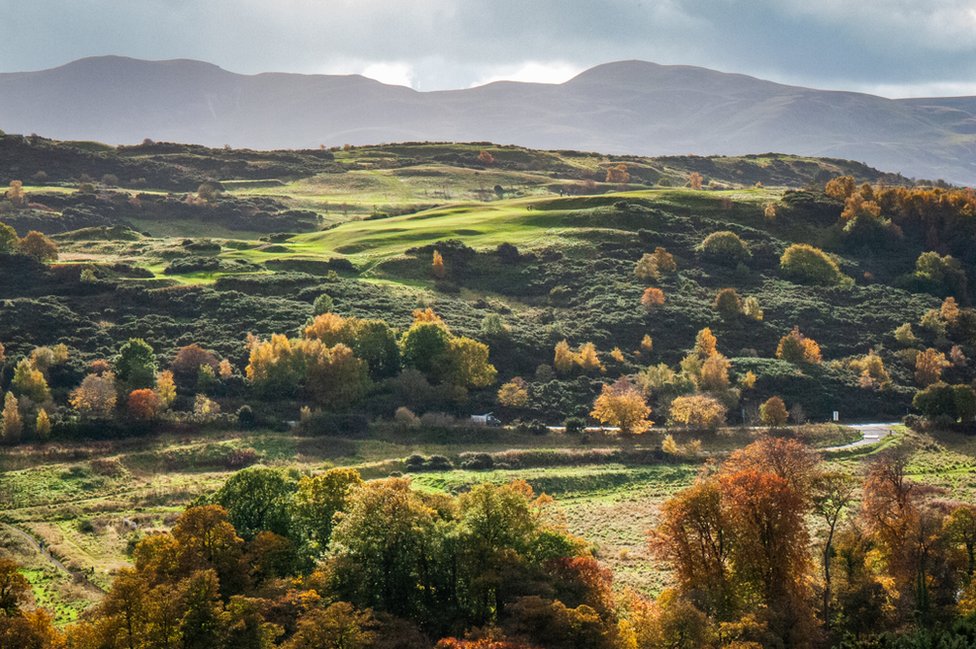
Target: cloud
533,72
905,45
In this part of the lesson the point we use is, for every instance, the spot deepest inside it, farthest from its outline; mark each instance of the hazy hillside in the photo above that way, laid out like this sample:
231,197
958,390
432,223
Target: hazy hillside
626,107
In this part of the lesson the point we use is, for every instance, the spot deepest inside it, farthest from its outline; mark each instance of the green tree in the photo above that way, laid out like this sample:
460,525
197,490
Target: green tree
29,382
319,498
424,345
258,499
135,365
8,239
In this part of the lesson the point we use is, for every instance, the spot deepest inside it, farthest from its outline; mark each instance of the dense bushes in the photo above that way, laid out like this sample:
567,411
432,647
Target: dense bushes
807,264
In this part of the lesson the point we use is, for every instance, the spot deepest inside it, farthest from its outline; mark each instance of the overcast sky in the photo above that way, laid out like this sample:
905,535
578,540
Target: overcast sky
890,47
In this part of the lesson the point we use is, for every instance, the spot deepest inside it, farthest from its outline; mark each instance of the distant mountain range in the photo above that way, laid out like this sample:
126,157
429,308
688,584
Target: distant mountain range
626,107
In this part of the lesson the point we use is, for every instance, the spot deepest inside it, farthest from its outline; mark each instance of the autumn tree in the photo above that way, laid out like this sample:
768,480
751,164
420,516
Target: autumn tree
652,298
651,266
564,358
338,626
96,396
832,494
42,424
437,265
13,425
751,309
622,405
15,193
798,349
773,412
929,365
715,373
840,187
166,389
695,180
371,340
28,381
143,404
871,372
697,411
335,376
618,174
466,364
587,359
39,246
728,303
705,343
514,393
188,360
485,157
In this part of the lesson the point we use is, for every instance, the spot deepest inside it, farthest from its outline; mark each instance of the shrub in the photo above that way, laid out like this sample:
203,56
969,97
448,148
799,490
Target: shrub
245,417
807,264
574,425
726,248
405,418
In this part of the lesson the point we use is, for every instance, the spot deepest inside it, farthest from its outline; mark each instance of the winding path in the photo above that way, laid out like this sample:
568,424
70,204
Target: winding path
53,560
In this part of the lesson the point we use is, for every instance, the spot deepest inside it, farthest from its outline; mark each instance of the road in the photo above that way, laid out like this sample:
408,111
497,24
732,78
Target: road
870,434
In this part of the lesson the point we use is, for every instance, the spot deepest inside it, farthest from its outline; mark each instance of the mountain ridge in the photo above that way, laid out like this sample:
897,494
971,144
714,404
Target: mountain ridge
622,107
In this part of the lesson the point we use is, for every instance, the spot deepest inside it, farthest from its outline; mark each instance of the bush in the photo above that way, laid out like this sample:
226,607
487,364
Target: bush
810,265
726,248
533,427
245,417
477,461
575,425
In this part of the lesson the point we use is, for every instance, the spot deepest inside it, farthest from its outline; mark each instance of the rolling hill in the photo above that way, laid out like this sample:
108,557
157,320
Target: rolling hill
630,107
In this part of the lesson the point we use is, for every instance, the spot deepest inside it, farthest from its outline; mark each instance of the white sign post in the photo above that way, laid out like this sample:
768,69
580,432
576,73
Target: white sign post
836,416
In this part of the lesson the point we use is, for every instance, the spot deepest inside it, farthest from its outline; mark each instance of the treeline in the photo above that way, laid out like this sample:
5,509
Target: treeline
770,549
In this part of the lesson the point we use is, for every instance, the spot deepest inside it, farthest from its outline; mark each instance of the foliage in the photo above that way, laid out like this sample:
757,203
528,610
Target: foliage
622,405
797,348
811,265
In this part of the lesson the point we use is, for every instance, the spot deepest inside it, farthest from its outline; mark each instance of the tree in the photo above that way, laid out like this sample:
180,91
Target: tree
188,360
323,304
28,381
135,364
694,539
587,359
798,349
715,373
339,626
697,411
807,264
424,345
833,493
840,187
166,389
725,247
647,344
13,425
485,157
929,365
695,180
143,404
15,193
751,309
319,498
564,359
276,367
871,372
773,412
652,298
437,265
39,246
705,343
618,174
466,364
258,499
15,590
96,396
652,265
42,425
514,393
622,405
728,303
8,239
336,378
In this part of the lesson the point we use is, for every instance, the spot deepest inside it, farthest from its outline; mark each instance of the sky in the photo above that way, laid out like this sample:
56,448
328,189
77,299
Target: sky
895,48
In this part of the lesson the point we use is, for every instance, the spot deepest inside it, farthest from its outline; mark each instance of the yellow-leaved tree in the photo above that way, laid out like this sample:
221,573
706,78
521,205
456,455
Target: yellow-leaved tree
622,405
